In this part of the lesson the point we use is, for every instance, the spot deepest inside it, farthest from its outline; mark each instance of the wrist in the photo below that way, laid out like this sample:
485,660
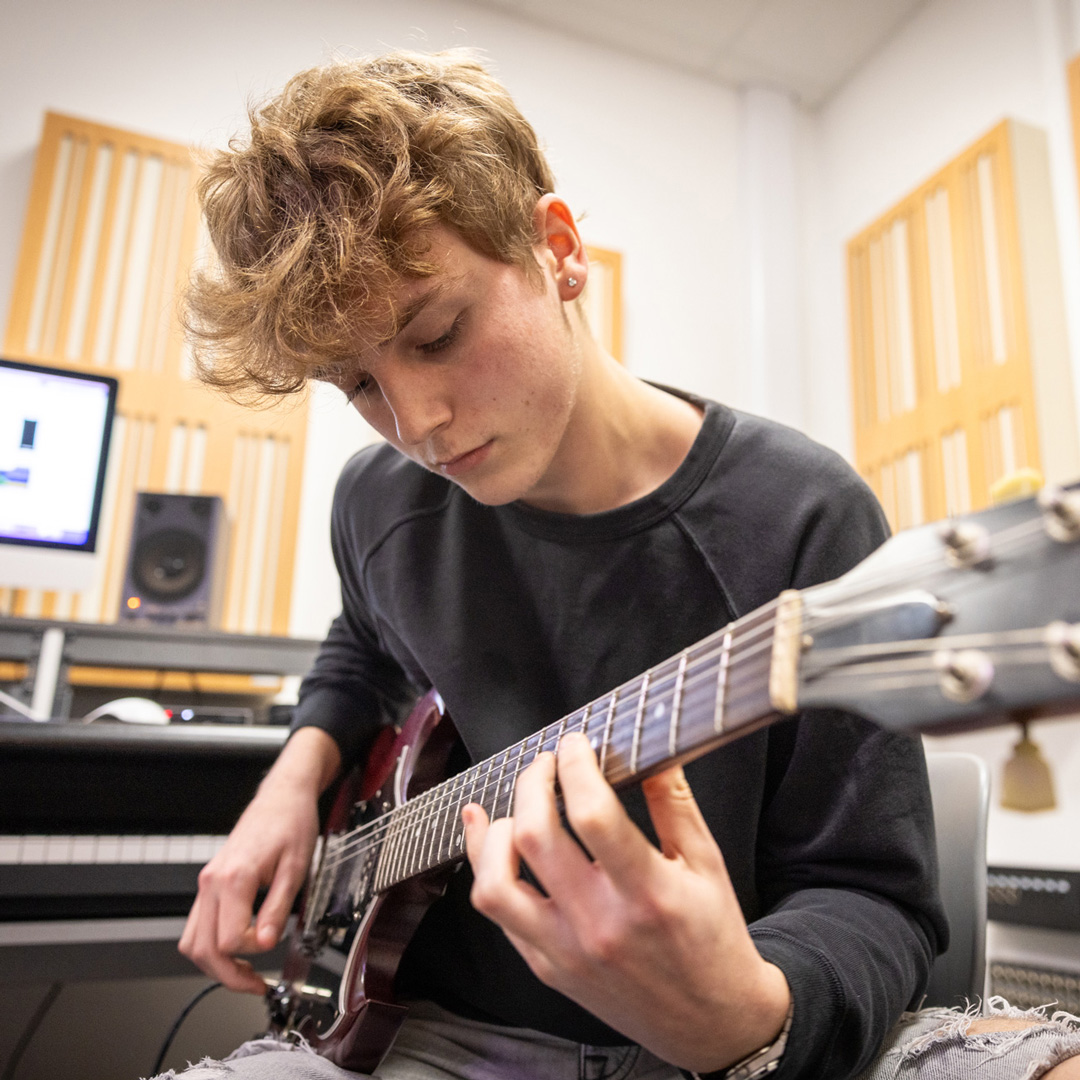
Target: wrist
760,1020
308,762
760,1063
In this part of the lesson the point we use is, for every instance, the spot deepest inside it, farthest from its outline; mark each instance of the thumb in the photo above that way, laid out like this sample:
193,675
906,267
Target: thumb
678,821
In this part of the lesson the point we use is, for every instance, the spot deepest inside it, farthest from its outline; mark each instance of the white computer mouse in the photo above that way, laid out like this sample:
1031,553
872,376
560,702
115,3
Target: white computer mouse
131,710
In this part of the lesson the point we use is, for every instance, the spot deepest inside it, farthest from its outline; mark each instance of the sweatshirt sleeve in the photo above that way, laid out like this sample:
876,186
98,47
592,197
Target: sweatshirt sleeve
354,687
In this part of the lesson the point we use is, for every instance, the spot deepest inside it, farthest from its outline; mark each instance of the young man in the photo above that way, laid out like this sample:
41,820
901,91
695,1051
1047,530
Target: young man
539,527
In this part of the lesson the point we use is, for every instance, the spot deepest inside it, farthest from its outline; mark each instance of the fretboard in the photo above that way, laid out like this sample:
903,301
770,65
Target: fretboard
697,700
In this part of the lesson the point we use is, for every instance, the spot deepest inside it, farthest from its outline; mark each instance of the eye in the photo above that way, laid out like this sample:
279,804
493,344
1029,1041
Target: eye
364,384
444,341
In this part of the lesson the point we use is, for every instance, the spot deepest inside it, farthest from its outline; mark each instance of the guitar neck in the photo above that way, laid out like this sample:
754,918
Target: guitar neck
699,699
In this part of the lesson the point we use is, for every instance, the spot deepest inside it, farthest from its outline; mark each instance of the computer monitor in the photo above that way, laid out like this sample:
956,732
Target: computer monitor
55,426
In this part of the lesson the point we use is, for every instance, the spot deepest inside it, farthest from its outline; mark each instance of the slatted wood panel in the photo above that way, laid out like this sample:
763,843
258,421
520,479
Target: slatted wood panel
111,232
960,369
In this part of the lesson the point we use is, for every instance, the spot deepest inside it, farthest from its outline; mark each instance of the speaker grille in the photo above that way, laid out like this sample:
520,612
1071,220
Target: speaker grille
169,564
1029,987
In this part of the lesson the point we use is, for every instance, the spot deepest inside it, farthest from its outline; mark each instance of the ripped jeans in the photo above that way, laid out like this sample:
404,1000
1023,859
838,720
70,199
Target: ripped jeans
933,1044
936,1044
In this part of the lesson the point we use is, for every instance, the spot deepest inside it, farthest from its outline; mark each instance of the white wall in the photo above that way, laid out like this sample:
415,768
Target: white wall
648,154
953,72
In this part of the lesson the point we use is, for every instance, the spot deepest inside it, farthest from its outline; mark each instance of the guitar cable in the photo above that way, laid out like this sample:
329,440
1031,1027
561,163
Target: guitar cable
176,1026
29,1031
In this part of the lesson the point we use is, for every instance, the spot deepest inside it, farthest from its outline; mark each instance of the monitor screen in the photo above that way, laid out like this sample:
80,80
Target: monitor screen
54,443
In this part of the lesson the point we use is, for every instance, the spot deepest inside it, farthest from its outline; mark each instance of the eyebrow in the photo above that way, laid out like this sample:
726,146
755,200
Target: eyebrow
406,314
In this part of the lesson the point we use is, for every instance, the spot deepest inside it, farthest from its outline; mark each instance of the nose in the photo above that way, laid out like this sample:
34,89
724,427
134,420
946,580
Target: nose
419,402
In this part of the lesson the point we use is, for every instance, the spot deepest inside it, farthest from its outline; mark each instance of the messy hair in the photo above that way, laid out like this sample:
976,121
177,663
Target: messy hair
320,213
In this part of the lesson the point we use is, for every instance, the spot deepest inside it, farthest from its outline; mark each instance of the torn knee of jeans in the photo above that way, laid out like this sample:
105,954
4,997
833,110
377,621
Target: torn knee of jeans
956,1024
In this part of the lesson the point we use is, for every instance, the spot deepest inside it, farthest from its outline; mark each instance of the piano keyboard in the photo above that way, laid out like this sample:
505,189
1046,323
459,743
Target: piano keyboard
106,850
64,877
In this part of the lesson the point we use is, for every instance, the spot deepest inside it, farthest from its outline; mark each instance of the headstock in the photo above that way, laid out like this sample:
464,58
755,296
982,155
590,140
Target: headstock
953,625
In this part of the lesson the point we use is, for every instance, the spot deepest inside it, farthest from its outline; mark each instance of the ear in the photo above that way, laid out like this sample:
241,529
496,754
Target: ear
559,246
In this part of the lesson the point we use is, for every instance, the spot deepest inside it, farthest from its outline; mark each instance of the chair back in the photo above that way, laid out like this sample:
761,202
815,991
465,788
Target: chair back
960,789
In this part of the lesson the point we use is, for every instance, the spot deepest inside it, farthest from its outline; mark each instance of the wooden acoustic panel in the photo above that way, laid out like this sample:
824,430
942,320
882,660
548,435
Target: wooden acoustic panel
111,233
960,369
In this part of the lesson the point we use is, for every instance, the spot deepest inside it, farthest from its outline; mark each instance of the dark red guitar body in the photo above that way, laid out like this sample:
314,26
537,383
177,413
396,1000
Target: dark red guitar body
337,985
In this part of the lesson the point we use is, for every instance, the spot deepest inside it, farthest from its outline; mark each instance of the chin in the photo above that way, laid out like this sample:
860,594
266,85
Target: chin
495,490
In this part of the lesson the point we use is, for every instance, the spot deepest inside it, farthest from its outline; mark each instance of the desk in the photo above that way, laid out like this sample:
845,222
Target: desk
50,647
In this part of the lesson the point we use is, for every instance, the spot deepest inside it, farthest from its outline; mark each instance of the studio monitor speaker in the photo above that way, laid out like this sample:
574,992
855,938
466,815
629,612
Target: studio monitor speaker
176,563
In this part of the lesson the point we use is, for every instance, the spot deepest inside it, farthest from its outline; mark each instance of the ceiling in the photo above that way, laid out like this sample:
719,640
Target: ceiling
807,47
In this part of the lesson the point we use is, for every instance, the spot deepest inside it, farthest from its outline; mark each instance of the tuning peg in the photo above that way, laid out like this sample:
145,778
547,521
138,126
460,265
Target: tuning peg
1064,641
967,544
1061,513
965,675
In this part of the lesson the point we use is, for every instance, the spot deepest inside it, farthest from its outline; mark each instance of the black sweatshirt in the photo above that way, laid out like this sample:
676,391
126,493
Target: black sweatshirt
518,616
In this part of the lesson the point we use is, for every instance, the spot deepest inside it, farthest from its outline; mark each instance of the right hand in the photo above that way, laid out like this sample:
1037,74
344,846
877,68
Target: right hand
271,845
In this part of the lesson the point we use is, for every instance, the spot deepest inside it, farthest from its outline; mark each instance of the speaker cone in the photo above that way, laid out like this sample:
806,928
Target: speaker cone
169,564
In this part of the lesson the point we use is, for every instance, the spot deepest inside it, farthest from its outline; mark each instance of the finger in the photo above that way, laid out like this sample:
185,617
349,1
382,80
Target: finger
680,826
498,891
552,854
599,819
475,820
235,908
276,905
199,944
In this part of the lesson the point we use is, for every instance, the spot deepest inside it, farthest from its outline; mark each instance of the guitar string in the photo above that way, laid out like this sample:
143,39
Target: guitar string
447,794
452,793
625,711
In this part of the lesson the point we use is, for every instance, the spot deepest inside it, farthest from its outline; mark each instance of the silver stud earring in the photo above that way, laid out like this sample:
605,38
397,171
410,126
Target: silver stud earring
572,282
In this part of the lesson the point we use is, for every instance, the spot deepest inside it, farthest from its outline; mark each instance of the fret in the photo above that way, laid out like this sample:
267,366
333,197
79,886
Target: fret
635,745
388,855
586,713
415,808
607,729
676,707
441,811
451,817
503,787
721,683
484,773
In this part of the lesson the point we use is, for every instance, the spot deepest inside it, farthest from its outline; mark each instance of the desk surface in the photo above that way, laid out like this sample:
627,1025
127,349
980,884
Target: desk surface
136,644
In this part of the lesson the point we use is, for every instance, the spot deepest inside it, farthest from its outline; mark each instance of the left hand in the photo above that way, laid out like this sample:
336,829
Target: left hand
651,941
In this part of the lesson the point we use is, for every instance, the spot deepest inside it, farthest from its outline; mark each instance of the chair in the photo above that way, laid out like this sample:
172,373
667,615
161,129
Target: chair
960,789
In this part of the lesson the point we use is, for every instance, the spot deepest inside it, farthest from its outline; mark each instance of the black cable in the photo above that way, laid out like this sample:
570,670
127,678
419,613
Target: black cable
176,1027
31,1028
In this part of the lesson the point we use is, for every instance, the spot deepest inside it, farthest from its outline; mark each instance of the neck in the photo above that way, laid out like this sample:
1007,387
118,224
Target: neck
623,440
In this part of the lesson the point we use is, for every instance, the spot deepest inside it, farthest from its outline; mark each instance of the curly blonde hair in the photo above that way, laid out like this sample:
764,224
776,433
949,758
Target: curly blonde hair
320,213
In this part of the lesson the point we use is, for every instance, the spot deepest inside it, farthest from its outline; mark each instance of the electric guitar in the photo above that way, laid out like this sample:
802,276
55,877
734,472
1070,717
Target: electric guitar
945,627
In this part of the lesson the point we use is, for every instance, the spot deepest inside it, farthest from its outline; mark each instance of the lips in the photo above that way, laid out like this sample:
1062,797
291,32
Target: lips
457,466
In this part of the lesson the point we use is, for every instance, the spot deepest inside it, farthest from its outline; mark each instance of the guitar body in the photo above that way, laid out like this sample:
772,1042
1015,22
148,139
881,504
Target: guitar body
336,988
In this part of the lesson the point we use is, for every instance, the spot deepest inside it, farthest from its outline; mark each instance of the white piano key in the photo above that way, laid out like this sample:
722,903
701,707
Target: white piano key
108,849
10,850
84,849
58,850
178,849
154,849
131,849
202,849
33,850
